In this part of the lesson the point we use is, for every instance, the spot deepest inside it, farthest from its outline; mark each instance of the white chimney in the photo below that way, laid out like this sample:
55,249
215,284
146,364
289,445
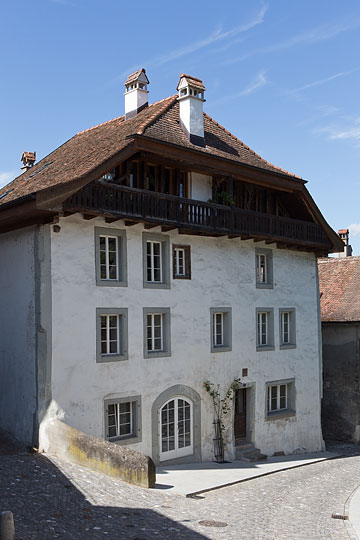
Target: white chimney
191,99
28,159
136,93
344,235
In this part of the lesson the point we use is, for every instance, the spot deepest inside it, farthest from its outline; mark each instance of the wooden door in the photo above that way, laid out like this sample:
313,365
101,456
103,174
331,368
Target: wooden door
240,414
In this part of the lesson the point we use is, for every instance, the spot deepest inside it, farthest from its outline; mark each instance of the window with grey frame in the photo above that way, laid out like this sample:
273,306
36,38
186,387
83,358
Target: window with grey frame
280,398
264,329
264,268
110,257
220,326
111,334
156,261
123,419
287,328
156,332
181,261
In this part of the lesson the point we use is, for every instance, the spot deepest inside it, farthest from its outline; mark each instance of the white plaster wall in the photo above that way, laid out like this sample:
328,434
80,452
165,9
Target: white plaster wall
201,187
17,333
223,274
135,99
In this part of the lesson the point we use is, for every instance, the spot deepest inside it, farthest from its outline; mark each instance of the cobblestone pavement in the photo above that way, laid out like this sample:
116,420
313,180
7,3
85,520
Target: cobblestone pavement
54,499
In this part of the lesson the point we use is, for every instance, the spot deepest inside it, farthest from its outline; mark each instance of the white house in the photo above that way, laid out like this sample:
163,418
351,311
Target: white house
146,256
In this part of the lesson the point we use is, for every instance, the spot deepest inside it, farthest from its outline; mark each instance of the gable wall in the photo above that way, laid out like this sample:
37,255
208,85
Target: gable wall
223,274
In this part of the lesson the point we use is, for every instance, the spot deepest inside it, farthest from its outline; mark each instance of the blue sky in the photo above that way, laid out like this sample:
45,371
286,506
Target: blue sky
282,76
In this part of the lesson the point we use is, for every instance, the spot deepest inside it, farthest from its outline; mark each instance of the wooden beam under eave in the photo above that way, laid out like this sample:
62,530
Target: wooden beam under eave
130,223
168,228
150,225
89,216
112,219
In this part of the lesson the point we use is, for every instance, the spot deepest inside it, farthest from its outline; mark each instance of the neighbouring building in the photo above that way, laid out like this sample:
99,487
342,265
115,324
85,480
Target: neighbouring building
146,256
340,315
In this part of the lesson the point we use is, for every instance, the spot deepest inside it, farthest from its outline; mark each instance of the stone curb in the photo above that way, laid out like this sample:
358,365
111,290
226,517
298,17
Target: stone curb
348,525
196,493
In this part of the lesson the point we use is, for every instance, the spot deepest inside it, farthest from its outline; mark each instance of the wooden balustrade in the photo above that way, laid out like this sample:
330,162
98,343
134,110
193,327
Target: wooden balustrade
168,210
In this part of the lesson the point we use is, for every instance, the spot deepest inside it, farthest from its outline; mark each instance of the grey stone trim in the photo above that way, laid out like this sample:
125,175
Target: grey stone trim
291,400
165,260
122,257
292,344
269,264
166,330
136,411
123,312
227,318
177,390
271,344
43,325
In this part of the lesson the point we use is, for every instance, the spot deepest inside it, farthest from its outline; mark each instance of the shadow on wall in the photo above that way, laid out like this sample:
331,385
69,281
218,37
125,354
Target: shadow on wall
46,504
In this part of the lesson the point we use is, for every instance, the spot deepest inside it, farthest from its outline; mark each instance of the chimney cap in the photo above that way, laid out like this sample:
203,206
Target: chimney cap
133,77
28,158
343,231
192,81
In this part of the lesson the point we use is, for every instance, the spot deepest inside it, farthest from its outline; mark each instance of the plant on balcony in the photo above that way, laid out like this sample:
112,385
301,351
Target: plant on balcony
222,197
221,409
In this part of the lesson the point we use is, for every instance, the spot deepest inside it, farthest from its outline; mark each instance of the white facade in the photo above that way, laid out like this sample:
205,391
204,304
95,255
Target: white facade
223,275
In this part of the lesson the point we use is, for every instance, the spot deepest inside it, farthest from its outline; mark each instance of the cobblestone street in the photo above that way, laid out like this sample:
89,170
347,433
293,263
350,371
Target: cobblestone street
54,499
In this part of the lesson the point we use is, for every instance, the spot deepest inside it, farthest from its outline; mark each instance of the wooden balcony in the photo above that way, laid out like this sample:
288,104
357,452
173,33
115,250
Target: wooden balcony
194,217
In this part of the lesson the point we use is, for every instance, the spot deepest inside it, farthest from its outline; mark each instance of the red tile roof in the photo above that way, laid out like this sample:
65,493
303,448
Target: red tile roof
134,76
339,280
93,147
192,81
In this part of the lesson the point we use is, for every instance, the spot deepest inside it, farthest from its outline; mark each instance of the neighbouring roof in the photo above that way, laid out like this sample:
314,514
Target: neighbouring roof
339,280
91,148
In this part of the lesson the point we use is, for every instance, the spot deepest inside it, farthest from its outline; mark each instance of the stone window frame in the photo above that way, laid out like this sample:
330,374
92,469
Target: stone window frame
270,346
187,261
269,283
165,260
136,435
292,325
291,400
120,234
227,329
123,332
166,328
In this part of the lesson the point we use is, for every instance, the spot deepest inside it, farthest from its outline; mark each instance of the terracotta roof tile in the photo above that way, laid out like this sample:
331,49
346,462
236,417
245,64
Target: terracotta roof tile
95,146
339,280
193,81
134,76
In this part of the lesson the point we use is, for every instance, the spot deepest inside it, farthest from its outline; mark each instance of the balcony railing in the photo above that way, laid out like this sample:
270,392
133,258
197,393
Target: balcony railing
196,216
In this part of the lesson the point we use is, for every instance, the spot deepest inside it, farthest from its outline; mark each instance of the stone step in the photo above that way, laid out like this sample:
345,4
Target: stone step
248,453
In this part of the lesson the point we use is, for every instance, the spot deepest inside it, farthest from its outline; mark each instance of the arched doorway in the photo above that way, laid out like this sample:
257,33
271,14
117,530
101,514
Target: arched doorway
176,428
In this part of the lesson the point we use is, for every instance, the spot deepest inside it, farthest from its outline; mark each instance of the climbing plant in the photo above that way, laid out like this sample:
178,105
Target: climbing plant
221,409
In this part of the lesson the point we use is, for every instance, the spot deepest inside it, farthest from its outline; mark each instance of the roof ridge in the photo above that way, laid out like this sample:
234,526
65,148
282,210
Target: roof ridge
250,149
102,124
170,101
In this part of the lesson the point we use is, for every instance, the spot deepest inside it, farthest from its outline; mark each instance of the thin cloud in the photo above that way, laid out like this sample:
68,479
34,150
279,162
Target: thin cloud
6,177
320,33
355,229
214,37
259,81
320,82
351,133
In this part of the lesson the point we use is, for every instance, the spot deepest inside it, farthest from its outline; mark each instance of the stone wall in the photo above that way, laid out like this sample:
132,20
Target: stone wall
341,375
101,456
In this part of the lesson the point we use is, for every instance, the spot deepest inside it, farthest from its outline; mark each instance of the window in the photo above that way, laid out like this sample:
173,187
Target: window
264,268
156,261
123,419
110,257
181,262
220,323
287,328
264,329
280,398
111,339
156,332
